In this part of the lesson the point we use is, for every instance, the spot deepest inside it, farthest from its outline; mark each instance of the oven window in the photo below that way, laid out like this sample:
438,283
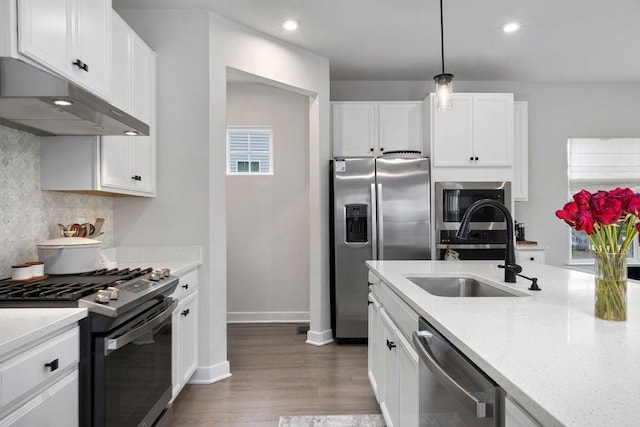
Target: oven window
137,375
456,202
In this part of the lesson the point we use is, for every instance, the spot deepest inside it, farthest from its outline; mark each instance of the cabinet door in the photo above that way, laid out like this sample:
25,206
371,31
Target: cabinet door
121,63
115,165
45,33
493,129
521,153
400,126
143,80
408,379
451,133
57,405
353,127
142,163
390,403
189,335
375,348
92,39
536,255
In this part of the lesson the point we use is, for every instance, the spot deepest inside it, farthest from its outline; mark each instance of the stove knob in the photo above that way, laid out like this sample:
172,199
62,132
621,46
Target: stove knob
155,275
114,293
103,296
165,272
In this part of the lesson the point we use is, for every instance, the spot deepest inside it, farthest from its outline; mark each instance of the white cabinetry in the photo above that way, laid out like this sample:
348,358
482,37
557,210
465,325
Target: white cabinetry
39,382
70,37
393,362
533,254
185,327
112,164
368,129
521,159
477,131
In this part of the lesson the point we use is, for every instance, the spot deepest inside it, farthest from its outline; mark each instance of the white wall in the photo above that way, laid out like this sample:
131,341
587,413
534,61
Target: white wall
194,50
268,215
557,111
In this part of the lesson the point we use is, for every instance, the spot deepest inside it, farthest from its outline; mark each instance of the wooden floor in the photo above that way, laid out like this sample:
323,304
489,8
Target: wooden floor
275,373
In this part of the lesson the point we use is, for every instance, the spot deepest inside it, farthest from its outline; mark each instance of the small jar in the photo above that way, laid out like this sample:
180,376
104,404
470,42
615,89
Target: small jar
21,272
37,268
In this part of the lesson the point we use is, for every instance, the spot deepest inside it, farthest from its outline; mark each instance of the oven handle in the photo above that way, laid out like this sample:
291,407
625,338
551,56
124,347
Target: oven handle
471,246
114,344
477,407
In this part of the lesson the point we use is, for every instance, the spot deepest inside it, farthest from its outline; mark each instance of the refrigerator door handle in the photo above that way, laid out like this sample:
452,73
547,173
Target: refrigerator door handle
373,222
380,222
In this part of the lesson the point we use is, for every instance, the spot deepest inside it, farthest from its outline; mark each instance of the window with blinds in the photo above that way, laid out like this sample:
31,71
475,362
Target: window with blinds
601,164
249,151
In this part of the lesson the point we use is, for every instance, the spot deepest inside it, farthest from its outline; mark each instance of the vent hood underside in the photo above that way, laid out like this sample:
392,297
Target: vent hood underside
27,94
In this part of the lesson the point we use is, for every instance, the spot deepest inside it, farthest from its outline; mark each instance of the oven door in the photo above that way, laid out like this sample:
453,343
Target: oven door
133,369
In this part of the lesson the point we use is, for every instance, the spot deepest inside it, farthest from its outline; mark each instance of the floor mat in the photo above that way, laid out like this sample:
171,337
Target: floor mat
332,421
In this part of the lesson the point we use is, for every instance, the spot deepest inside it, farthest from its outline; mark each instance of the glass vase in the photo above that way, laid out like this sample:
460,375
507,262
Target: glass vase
611,286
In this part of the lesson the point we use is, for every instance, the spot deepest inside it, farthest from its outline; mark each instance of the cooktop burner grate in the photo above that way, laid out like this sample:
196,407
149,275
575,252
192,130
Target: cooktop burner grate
67,287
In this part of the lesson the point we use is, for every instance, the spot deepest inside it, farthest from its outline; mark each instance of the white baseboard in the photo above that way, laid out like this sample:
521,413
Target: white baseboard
268,317
211,374
319,338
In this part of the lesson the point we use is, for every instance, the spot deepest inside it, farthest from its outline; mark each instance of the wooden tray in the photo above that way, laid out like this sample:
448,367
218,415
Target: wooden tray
25,281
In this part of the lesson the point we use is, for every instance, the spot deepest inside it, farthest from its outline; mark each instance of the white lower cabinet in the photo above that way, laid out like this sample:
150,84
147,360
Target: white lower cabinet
532,255
393,365
39,383
185,331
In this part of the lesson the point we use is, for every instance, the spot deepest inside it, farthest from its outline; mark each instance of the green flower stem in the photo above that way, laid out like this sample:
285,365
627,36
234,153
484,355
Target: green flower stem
611,286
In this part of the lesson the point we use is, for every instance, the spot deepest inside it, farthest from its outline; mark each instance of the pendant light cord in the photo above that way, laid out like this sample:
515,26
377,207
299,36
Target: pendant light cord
442,37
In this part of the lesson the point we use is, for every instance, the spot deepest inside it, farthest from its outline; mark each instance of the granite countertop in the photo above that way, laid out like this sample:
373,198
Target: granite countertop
547,350
20,326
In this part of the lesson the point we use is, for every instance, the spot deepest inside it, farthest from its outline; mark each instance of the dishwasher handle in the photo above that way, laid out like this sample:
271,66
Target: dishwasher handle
476,406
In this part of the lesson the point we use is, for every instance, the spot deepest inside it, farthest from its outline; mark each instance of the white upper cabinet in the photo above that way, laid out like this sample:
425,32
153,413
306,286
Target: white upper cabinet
70,37
369,129
521,137
477,131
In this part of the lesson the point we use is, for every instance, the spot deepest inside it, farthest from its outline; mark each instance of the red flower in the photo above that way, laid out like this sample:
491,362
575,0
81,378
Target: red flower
585,221
582,198
606,209
624,195
634,205
568,213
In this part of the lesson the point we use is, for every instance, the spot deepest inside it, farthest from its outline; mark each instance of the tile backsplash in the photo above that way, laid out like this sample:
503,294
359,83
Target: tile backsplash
27,214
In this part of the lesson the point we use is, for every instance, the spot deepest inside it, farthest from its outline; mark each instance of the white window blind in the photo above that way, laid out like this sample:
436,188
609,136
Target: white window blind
604,164
249,151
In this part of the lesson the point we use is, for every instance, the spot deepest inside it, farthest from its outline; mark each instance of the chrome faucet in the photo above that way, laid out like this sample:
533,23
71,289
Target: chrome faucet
511,269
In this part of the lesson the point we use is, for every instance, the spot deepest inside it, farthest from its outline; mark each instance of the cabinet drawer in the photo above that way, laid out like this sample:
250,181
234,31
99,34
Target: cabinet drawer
26,371
405,318
188,284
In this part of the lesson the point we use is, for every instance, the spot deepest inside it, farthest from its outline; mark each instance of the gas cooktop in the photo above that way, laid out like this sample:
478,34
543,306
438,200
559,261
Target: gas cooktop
108,292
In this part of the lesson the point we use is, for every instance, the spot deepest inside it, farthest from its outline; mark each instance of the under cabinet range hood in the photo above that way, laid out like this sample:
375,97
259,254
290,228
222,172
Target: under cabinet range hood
39,102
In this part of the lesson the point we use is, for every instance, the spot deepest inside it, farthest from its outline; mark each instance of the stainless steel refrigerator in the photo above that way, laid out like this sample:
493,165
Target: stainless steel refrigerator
381,210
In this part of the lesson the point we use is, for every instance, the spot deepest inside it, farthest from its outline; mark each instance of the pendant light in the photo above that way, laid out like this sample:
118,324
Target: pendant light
443,81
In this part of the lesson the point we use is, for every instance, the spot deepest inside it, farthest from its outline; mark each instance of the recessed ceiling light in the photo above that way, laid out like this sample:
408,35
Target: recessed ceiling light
511,27
290,25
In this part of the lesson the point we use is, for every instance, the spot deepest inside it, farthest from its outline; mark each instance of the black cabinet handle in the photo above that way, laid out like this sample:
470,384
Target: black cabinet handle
185,312
476,158
53,365
371,149
532,259
471,158
369,302
185,286
391,345
136,178
81,65
381,149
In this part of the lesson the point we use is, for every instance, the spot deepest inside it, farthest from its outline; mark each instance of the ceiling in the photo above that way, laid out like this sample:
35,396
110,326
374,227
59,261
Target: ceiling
559,40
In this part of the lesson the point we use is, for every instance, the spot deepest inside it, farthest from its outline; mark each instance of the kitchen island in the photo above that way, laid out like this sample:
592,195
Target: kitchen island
546,349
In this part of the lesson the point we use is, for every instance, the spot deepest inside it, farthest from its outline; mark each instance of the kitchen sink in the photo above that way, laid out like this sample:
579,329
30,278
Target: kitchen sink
460,287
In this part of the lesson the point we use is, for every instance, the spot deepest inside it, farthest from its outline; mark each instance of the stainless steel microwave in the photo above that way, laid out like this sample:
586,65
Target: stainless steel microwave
452,199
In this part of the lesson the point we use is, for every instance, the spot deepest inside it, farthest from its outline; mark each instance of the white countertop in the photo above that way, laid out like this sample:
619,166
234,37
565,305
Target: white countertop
21,326
547,350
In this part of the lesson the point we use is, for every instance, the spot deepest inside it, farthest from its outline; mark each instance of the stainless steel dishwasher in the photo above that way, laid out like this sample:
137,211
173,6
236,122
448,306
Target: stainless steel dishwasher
453,391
